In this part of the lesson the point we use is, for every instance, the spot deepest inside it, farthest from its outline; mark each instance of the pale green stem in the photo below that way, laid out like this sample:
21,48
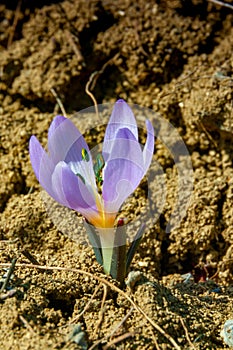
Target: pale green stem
113,245
107,238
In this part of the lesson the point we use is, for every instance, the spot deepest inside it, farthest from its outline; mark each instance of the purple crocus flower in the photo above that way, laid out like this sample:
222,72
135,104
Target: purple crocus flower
67,171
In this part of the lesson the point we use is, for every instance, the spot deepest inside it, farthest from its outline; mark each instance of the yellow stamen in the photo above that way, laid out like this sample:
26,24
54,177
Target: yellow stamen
102,219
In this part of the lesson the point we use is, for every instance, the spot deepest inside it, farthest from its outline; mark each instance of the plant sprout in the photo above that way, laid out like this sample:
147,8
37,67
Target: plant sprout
96,188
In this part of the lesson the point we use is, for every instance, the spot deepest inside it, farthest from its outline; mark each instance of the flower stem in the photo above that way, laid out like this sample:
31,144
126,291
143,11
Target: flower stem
118,266
107,237
94,241
113,243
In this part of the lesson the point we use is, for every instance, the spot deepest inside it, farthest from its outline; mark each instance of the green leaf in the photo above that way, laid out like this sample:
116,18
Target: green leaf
134,246
94,241
118,263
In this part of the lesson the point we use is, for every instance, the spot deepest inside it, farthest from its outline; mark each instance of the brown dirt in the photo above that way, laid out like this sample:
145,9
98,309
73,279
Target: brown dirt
174,57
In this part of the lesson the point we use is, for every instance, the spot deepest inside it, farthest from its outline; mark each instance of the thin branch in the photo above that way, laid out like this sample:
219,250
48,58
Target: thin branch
117,340
93,79
101,313
30,257
221,3
111,334
8,276
208,134
13,28
121,322
89,93
86,306
109,284
76,47
187,334
59,102
96,74
26,324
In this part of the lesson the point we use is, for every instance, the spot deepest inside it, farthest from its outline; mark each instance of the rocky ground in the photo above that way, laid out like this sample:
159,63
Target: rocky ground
174,57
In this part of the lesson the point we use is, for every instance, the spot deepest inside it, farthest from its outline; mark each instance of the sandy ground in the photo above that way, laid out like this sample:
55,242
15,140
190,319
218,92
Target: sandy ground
174,57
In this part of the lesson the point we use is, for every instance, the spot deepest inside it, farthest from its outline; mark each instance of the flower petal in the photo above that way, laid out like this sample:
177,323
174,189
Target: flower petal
149,146
55,123
123,170
66,143
78,165
63,138
123,177
42,165
122,117
72,192
125,146
36,152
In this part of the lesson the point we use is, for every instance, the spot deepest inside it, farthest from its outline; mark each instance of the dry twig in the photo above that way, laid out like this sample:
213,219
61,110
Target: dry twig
121,322
92,82
8,276
13,28
89,93
187,334
221,3
101,313
117,340
26,324
207,134
75,46
86,306
157,347
115,329
30,257
109,284
59,102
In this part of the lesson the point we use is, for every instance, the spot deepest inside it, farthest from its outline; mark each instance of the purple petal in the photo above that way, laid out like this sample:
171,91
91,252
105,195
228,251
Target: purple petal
36,152
122,178
149,146
65,142
72,192
122,117
55,123
123,170
124,146
42,165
